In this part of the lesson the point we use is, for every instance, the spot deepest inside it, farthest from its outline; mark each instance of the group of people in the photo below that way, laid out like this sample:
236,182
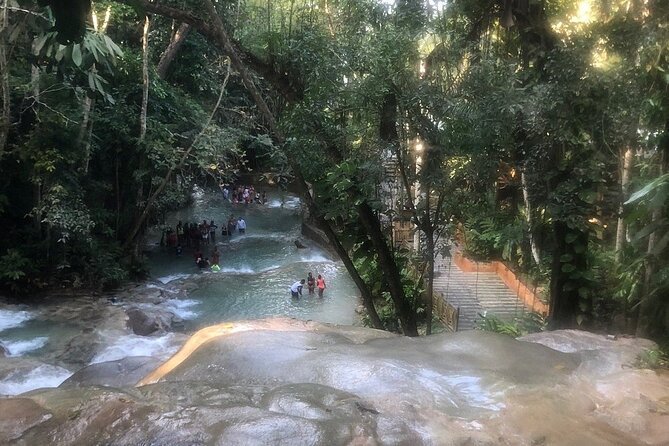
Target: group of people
244,194
190,235
312,284
233,224
197,236
204,262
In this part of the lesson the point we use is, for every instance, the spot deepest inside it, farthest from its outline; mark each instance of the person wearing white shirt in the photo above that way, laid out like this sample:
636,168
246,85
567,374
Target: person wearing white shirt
296,289
241,225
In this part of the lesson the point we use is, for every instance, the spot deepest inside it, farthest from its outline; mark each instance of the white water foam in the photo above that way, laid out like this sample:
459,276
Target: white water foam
43,376
317,258
172,277
182,307
161,347
19,348
240,270
10,318
287,203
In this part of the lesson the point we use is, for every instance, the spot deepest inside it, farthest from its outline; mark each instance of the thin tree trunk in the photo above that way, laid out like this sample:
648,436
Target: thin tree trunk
4,79
172,49
86,130
37,186
626,159
429,235
145,79
117,187
86,126
536,256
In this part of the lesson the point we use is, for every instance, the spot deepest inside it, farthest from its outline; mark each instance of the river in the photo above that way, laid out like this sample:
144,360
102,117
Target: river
257,269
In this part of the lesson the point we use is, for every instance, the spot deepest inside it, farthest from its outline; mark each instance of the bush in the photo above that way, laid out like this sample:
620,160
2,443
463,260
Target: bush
527,323
15,271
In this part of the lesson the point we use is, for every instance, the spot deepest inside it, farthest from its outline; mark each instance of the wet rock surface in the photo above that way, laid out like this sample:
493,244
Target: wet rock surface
289,382
122,373
147,321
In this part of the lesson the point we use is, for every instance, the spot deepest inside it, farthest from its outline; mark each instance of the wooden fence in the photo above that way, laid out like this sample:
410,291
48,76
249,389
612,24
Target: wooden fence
447,313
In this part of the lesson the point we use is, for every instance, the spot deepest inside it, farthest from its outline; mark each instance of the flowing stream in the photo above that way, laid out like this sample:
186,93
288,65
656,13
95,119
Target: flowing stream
257,269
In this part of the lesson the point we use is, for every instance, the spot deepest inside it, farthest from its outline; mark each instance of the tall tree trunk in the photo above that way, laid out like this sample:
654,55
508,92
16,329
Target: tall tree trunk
172,49
565,298
4,78
534,249
366,294
140,217
86,126
626,160
86,131
117,190
429,236
35,75
145,79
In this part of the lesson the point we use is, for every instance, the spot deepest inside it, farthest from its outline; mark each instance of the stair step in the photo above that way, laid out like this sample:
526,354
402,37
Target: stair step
475,294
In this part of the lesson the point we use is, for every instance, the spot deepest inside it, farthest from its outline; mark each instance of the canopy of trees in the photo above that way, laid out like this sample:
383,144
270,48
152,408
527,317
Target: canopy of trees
534,132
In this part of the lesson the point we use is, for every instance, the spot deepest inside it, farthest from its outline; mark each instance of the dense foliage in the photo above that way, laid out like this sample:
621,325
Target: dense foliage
536,133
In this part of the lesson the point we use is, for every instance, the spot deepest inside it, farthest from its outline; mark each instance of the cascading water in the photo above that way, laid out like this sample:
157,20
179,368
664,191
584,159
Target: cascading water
257,269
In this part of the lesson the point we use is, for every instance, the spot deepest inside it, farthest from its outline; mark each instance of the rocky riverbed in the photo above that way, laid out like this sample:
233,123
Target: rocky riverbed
284,381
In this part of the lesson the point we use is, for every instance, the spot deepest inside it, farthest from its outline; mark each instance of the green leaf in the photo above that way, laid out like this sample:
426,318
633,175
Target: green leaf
660,245
39,44
649,229
76,54
60,52
91,80
647,188
114,49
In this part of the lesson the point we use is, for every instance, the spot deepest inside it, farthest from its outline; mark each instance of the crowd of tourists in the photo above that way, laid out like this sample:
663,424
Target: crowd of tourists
199,236
244,194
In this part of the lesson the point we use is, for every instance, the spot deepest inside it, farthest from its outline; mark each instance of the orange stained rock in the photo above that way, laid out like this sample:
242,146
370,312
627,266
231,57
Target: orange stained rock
215,331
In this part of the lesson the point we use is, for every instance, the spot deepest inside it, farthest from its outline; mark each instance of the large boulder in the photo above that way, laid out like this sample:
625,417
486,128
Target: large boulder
146,321
17,415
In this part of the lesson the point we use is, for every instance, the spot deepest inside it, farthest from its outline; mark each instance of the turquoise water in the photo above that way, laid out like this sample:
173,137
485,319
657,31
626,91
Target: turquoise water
257,268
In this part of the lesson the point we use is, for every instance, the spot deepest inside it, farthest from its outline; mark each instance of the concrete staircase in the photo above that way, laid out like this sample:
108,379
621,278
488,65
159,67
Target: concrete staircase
475,294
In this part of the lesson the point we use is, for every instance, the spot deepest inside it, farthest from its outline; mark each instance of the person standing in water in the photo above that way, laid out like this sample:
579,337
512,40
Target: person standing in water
212,231
215,256
241,225
320,283
311,283
296,289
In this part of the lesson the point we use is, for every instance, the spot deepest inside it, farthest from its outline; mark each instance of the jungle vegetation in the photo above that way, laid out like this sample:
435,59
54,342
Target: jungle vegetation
530,131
